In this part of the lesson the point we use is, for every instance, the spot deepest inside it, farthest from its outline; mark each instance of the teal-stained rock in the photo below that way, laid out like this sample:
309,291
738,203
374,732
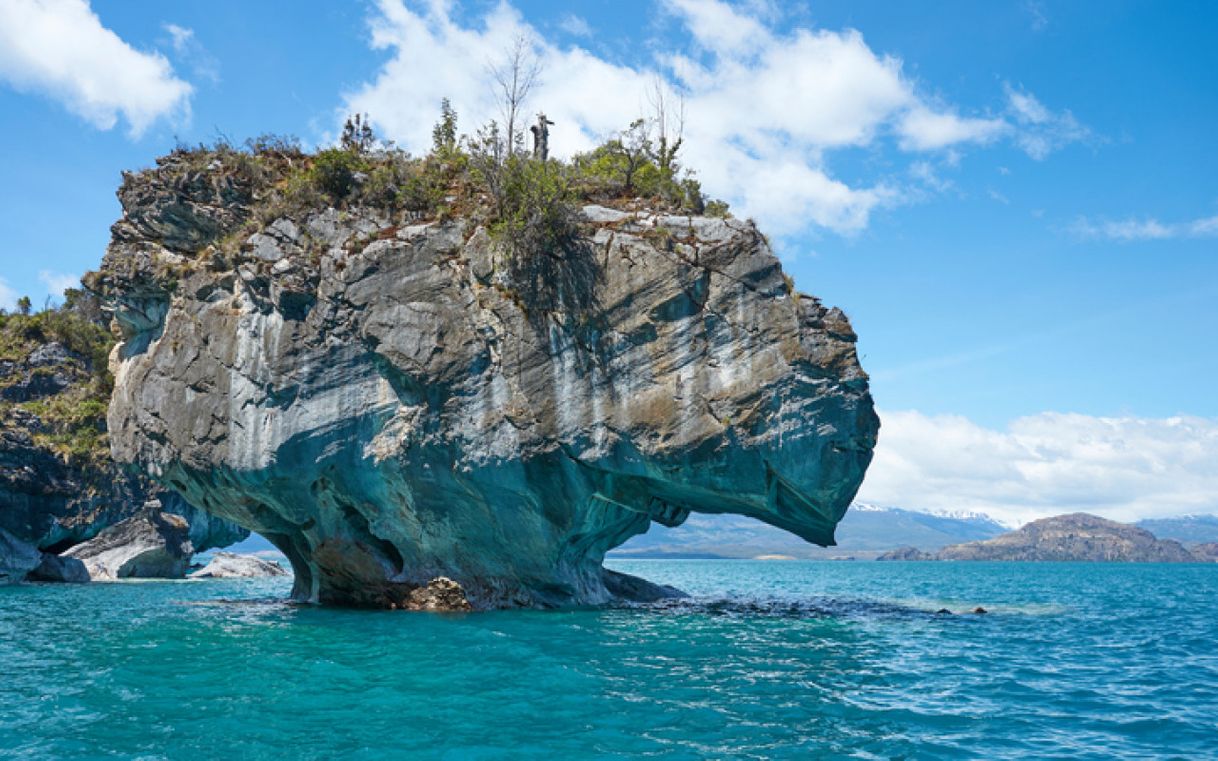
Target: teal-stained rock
17,558
385,402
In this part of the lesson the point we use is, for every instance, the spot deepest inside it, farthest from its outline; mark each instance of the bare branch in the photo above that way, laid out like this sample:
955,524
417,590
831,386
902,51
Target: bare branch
515,77
670,127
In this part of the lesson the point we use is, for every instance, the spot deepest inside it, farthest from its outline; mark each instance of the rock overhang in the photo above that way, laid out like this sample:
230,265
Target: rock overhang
374,395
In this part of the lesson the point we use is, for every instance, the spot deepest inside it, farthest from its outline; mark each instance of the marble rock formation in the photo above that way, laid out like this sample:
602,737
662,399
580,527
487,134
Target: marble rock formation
388,403
61,569
17,558
150,545
229,565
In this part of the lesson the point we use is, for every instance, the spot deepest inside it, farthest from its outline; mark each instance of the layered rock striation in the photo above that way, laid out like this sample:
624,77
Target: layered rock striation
389,402
152,544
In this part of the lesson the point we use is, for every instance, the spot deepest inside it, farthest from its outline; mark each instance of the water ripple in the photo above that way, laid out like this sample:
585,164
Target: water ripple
765,660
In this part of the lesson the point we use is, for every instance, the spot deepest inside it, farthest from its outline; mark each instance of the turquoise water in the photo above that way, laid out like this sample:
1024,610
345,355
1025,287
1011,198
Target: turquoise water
768,660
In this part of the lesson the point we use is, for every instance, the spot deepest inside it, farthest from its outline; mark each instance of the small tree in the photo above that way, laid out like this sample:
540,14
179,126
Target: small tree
487,157
444,134
633,149
358,136
24,305
515,76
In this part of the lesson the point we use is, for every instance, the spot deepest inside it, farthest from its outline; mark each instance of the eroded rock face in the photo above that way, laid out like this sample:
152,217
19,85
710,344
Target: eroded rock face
17,558
57,568
387,406
151,545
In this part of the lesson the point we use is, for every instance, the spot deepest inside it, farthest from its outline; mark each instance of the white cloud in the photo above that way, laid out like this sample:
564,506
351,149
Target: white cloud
1122,468
1037,17
1148,228
58,282
763,108
719,27
190,51
59,48
1037,130
182,37
8,297
574,25
922,129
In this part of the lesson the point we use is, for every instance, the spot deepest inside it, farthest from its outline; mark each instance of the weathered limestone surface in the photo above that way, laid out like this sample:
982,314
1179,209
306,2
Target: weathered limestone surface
150,545
384,403
229,565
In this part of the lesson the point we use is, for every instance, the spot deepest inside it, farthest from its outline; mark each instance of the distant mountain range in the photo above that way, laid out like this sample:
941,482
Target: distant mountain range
1185,528
1073,537
865,532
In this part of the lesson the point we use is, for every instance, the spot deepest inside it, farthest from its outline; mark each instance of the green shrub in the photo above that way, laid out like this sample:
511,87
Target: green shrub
537,211
334,170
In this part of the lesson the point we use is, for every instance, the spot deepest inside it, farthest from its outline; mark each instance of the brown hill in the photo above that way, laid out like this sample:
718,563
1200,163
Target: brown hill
1077,536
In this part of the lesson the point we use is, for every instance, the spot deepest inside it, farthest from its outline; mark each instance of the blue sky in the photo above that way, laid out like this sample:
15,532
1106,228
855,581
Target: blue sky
1016,203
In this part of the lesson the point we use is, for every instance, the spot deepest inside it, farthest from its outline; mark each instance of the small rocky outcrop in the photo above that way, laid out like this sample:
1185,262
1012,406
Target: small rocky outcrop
229,565
440,595
151,545
906,553
1074,537
389,397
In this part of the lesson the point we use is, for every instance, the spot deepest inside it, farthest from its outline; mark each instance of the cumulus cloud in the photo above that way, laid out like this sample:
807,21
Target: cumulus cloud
58,282
1124,468
762,107
1147,228
59,48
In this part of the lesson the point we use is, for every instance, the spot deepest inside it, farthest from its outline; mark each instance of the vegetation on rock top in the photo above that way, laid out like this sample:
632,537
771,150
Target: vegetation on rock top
529,202
54,378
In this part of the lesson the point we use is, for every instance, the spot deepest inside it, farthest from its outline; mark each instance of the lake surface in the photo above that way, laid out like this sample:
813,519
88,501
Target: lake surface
766,660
